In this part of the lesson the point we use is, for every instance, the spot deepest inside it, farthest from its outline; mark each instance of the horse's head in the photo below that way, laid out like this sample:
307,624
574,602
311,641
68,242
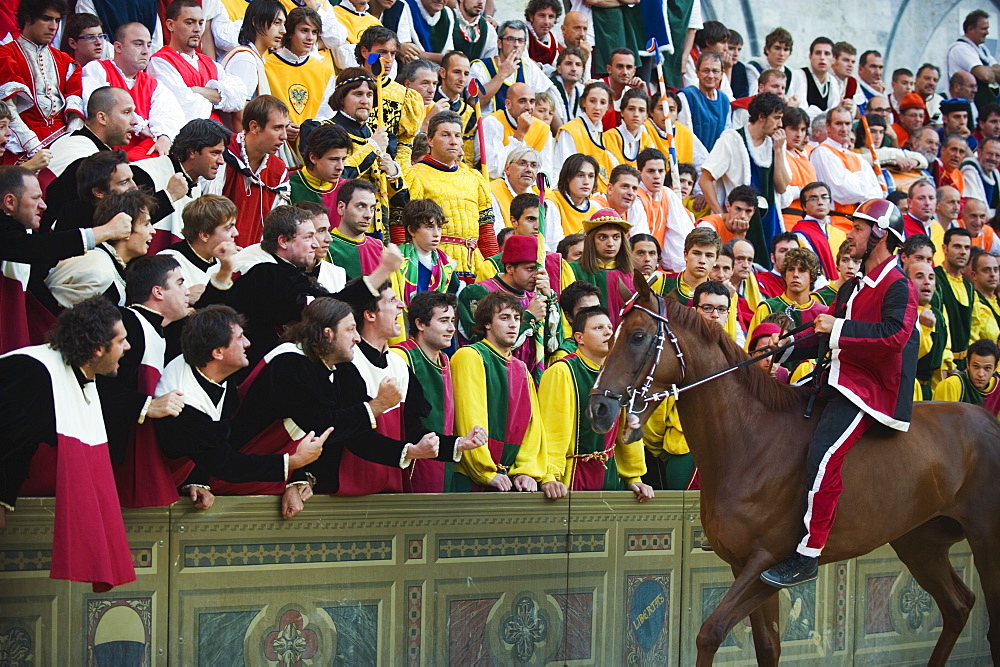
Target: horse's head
643,348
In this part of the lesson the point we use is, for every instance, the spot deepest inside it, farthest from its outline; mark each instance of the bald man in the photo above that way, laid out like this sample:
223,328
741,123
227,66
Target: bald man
515,126
576,33
949,204
974,217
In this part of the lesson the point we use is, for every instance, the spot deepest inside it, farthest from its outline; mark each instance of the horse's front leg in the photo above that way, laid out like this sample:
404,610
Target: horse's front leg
744,597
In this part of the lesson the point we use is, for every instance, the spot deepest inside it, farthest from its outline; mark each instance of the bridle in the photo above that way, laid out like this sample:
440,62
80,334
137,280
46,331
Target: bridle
636,400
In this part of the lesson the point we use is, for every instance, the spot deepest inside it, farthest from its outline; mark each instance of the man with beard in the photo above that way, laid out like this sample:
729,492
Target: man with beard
202,88
370,158
474,35
198,441
55,443
957,294
272,292
195,158
26,302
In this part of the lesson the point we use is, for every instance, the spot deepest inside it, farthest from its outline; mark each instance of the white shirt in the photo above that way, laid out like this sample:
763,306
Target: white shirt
846,187
231,88
974,179
729,162
496,154
247,65
963,55
799,89
533,76
166,118
566,145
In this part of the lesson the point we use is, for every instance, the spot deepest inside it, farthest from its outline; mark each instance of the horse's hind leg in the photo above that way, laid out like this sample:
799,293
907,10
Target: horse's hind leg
924,551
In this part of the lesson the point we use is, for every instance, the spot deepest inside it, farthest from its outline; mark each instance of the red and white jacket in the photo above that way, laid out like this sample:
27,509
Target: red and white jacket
874,344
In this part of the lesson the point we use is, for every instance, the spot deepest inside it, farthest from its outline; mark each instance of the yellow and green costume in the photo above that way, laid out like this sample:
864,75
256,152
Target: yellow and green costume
578,457
668,458
493,390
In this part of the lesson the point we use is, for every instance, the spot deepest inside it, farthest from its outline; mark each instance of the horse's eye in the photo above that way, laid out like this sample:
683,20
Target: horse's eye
638,337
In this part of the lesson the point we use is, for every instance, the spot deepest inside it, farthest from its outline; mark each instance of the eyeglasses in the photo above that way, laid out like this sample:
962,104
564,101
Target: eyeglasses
709,309
93,38
817,198
711,71
525,163
514,40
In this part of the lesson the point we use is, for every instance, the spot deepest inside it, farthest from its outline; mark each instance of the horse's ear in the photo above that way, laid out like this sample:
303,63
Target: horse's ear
641,286
623,291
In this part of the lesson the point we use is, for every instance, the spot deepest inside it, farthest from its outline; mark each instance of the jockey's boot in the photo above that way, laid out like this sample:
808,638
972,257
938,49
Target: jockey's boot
797,569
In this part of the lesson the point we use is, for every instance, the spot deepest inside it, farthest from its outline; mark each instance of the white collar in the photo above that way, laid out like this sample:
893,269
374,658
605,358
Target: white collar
288,56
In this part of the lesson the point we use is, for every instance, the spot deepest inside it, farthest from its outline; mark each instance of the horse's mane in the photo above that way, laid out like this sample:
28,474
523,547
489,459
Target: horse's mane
757,382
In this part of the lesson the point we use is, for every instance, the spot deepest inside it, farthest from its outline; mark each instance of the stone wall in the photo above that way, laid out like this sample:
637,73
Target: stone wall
483,579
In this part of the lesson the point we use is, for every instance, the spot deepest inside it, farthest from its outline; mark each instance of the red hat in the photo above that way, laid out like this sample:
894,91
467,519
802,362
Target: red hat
517,249
762,330
912,101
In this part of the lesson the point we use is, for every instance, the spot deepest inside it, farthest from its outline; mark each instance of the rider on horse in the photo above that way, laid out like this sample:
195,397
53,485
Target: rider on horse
872,335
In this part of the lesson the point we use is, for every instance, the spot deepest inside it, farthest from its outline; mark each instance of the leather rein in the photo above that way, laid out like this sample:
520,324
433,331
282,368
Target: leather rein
636,400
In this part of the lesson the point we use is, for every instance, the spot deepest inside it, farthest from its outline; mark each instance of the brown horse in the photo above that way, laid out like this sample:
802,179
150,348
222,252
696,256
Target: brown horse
920,491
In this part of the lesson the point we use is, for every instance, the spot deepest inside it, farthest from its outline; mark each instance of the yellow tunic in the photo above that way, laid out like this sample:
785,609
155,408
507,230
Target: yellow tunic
468,376
761,312
951,389
537,136
403,114
983,314
577,129
571,217
299,86
614,142
557,392
236,9
731,325
364,159
465,197
354,22
662,433
683,140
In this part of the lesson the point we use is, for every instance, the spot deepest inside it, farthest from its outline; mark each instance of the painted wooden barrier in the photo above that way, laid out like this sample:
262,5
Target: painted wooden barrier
476,579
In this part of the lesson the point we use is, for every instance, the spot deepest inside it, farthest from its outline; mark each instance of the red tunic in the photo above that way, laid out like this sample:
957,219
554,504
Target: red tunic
18,81
771,284
541,54
142,94
207,69
253,193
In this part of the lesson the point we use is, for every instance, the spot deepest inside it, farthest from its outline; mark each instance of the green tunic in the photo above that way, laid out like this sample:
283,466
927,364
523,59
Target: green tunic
930,362
587,440
959,316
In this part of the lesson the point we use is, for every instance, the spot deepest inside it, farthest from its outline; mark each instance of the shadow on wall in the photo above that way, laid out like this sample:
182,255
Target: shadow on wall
908,33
